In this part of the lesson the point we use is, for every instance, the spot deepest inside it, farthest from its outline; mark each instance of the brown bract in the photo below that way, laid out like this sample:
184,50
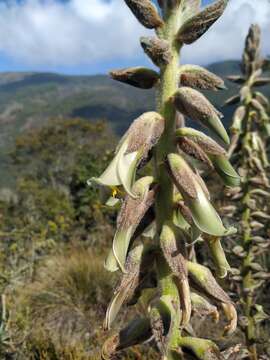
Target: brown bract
208,283
190,148
210,146
139,77
158,330
145,12
200,78
174,258
145,132
184,210
134,209
157,49
183,179
196,26
194,105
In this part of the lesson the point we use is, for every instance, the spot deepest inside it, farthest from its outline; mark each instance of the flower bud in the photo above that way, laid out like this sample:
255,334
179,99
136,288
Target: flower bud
203,307
199,78
218,255
235,99
146,12
194,105
262,99
197,25
231,315
137,262
225,170
177,264
204,215
201,348
237,79
192,149
139,77
206,143
261,81
137,332
157,49
238,118
205,280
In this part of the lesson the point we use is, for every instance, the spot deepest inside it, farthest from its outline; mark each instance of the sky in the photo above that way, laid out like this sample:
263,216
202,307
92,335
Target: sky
94,36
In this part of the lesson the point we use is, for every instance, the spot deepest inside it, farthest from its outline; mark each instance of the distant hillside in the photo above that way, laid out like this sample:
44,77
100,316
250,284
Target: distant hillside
30,99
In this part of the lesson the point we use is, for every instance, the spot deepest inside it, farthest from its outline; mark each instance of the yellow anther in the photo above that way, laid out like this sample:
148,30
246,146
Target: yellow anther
114,192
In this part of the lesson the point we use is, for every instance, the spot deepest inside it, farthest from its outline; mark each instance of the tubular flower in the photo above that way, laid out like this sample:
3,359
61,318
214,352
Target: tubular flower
133,149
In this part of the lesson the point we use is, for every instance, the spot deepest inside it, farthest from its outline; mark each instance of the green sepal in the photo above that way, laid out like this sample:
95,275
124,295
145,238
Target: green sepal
203,213
218,255
202,349
196,106
205,280
121,170
111,263
136,332
225,170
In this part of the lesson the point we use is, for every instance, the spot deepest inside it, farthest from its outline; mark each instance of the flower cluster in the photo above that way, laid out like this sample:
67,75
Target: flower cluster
170,204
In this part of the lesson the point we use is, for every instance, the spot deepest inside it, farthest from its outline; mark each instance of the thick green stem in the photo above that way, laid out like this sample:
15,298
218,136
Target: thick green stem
169,79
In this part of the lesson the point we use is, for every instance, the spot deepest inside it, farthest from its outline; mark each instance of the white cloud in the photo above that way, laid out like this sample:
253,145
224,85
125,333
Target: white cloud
49,33
78,32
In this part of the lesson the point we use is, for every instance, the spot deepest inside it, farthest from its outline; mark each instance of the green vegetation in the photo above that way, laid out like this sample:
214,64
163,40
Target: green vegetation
186,297
249,204
30,100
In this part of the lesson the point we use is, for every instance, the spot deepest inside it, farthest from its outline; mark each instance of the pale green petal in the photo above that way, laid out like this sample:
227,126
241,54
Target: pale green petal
121,243
114,307
195,233
205,216
221,264
150,231
126,170
203,349
110,176
179,220
225,170
215,124
112,201
110,263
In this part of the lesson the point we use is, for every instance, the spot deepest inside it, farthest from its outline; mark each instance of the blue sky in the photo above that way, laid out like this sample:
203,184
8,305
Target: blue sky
93,36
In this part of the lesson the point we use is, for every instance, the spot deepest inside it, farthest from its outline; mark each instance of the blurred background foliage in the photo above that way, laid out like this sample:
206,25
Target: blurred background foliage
54,231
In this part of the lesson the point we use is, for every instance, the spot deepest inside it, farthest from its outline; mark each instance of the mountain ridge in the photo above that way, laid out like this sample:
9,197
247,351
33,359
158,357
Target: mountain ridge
31,99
